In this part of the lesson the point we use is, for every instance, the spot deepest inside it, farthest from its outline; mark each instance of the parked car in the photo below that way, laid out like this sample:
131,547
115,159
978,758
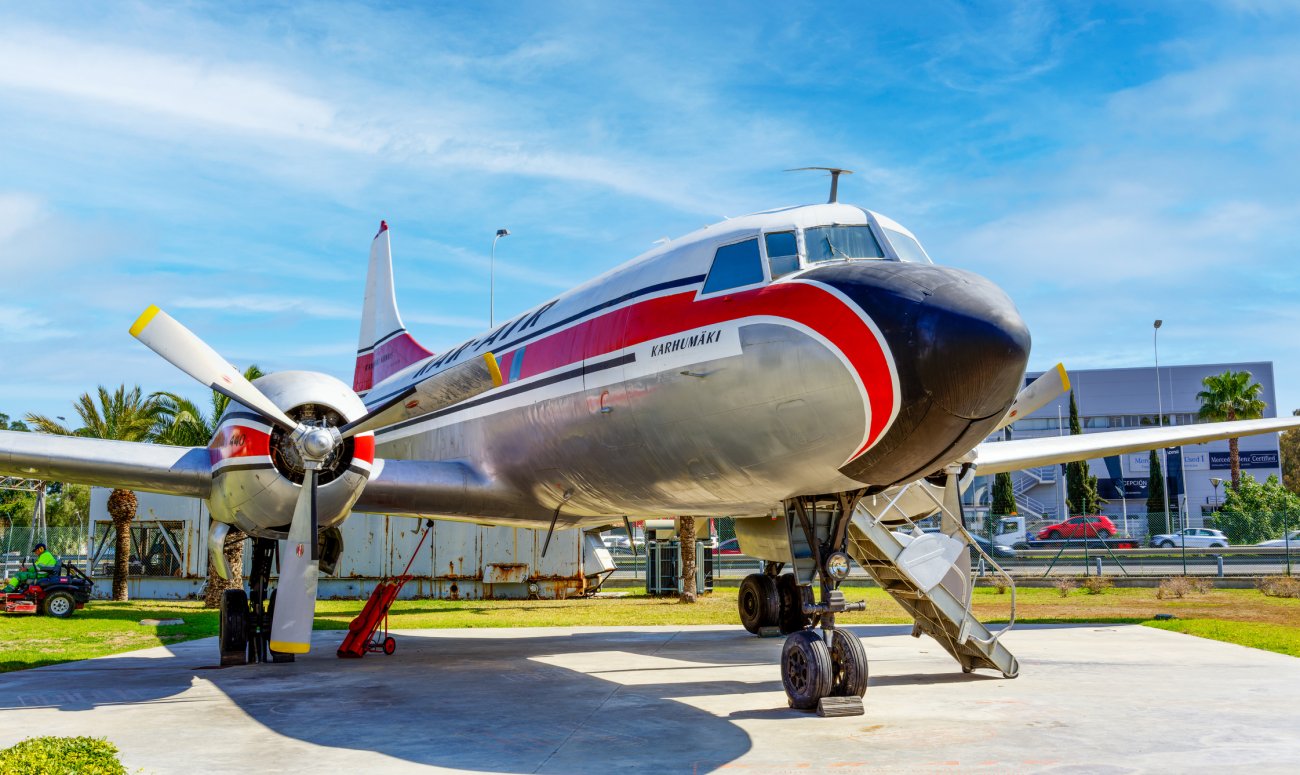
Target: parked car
618,544
729,546
1092,526
1293,540
1200,537
996,551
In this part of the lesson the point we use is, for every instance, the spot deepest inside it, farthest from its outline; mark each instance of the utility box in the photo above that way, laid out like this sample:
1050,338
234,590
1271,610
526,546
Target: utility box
663,564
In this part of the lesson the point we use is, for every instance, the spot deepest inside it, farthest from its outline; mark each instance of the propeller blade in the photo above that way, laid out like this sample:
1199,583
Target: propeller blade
438,391
180,347
295,596
1037,394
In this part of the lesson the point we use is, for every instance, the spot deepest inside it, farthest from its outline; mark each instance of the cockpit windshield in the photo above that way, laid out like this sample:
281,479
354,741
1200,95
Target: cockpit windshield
828,243
907,248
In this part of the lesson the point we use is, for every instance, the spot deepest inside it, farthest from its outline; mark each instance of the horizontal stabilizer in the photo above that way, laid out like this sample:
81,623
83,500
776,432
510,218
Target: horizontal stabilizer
998,456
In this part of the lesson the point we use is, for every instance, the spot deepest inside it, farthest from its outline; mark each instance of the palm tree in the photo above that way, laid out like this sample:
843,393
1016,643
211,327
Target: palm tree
183,423
124,415
1231,395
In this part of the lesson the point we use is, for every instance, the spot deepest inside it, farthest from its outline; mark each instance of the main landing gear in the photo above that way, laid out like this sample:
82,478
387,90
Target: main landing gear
824,670
245,633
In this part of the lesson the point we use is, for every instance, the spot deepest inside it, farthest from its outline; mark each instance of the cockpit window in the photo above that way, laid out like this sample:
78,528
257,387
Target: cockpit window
907,248
734,266
827,243
782,253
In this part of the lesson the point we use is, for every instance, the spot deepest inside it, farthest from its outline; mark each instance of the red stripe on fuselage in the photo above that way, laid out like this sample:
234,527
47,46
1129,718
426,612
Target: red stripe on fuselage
803,303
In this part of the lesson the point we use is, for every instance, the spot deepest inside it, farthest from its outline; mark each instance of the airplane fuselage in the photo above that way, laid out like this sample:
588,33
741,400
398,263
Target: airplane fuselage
692,380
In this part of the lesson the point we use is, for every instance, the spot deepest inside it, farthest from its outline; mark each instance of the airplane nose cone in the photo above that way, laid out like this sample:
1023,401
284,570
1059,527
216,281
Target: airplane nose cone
959,347
970,343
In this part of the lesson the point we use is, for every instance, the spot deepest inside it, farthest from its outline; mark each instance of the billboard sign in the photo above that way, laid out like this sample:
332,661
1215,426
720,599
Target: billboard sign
1249,459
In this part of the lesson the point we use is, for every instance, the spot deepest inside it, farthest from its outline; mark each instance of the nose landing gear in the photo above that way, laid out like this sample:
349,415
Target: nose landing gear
827,670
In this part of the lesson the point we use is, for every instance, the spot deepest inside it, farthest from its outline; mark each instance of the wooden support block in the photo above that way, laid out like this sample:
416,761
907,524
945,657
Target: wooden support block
769,632
830,707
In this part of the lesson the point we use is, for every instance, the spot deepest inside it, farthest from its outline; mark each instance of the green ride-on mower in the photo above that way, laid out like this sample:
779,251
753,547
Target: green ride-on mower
56,594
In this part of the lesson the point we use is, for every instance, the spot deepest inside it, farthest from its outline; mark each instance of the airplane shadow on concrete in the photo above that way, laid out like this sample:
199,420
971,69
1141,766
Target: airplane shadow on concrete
573,702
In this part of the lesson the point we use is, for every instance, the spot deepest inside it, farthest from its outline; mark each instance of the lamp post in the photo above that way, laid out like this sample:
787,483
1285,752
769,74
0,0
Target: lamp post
492,262
1216,481
1160,415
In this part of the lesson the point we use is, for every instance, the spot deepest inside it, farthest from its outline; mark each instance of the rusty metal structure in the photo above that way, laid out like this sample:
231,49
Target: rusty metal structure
460,560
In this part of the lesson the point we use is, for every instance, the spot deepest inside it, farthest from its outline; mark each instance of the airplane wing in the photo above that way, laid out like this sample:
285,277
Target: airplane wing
149,467
998,456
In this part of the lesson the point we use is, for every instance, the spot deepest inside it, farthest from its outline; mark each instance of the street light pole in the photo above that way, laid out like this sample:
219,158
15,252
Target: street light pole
492,263
1160,420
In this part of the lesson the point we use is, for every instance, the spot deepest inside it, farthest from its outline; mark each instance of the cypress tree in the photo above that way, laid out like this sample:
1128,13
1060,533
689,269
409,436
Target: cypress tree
1004,498
1081,486
1157,519
1004,502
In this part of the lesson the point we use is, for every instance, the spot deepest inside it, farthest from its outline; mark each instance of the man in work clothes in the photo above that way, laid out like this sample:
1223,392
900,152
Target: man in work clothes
46,563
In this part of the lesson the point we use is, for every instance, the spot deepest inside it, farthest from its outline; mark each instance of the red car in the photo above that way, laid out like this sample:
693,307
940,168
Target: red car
1096,526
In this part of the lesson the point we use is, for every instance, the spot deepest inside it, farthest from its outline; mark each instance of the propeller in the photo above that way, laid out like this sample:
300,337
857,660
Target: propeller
1036,395
299,566
181,348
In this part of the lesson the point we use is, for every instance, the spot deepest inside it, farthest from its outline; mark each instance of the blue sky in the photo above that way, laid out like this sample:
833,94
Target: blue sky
1107,164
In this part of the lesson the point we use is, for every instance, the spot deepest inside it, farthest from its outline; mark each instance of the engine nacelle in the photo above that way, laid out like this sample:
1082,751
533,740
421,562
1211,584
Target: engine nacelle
257,474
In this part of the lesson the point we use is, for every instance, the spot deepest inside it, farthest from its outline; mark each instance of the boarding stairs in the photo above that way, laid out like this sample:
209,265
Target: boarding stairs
932,584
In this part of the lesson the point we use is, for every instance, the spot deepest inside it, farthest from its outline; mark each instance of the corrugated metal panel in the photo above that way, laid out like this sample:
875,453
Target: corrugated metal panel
458,559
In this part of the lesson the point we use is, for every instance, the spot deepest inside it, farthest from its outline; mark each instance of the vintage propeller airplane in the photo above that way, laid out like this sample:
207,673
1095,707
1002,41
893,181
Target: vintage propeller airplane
808,370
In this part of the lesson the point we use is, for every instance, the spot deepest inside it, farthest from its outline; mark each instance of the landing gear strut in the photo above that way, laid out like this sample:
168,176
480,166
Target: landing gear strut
820,670
246,617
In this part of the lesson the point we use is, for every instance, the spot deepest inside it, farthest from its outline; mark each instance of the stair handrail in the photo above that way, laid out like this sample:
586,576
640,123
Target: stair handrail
964,633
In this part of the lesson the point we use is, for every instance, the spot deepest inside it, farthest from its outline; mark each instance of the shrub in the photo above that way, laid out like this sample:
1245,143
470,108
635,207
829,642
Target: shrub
1095,585
1176,587
1279,586
62,756
1064,586
1000,583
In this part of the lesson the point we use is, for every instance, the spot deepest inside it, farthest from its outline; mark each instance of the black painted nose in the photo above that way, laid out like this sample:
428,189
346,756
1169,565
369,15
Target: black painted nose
960,348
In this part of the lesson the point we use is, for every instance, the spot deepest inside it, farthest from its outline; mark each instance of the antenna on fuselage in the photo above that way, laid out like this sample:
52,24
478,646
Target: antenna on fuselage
835,179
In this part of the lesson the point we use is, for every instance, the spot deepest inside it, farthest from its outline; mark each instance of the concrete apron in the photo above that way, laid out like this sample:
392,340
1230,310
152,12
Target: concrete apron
673,699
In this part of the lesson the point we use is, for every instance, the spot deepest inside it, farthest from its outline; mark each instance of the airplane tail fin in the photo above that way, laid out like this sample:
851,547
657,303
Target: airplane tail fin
385,347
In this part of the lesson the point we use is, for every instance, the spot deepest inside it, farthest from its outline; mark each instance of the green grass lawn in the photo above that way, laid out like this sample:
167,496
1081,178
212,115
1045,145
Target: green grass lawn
1237,616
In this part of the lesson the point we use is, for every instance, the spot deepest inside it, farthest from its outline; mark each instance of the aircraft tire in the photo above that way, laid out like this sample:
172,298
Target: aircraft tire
805,669
233,628
791,618
848,665
759,604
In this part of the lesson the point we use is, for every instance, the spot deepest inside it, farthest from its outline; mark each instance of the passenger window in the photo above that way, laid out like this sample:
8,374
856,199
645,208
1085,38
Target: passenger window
782,253
735,266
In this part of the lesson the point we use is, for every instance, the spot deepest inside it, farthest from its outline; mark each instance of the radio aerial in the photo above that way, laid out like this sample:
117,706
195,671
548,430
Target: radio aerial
835,179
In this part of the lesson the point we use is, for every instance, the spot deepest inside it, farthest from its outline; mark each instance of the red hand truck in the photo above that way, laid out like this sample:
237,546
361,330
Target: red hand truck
363,632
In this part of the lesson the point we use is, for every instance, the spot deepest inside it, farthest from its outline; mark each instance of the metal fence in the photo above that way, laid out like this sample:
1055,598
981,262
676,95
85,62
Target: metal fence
67,543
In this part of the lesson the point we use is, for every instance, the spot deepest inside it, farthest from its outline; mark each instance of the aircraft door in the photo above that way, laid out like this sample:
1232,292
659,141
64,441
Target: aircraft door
604,378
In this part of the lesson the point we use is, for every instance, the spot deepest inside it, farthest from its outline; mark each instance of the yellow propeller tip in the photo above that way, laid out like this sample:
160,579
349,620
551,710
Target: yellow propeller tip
493,369
285,647
145,318
1065,378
